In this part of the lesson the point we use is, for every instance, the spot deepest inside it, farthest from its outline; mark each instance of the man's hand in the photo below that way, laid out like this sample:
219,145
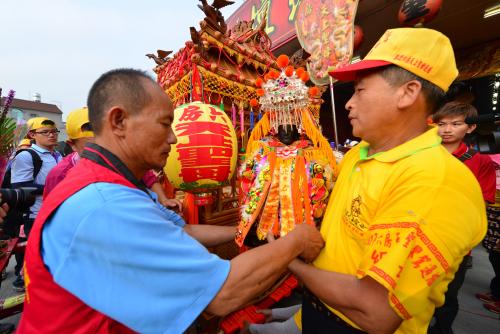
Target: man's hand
3,210
171,203
312,241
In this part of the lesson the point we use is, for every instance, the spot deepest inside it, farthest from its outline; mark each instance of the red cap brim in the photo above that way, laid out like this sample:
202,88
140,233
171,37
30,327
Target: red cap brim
348,73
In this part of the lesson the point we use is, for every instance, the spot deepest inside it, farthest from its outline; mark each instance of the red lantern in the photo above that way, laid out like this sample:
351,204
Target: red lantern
413,12
359,36
205,155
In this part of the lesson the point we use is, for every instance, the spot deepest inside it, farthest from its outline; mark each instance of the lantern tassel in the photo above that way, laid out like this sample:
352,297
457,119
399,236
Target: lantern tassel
233,115
242,121
242,127
251,119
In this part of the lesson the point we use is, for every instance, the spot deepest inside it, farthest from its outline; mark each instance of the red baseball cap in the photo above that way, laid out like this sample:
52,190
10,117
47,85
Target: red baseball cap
348,72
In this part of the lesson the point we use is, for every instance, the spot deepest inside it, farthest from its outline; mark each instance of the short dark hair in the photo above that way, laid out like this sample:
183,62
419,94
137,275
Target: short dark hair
86,127
48,122
121,86
396,76
455,108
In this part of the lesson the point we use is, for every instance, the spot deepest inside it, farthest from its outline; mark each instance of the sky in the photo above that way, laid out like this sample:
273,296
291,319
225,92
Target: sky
58,48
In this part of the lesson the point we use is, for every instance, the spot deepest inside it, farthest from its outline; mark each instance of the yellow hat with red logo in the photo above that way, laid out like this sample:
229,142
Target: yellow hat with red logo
40,122
424,52
75,121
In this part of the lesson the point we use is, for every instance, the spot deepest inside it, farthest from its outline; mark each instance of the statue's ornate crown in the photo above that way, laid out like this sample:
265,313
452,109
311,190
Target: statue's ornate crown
284,94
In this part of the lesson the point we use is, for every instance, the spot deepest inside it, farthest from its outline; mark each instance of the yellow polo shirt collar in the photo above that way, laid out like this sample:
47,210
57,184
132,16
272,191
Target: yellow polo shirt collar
428,139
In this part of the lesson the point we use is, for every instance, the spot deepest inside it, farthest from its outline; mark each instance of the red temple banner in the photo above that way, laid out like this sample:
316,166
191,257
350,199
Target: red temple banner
280,18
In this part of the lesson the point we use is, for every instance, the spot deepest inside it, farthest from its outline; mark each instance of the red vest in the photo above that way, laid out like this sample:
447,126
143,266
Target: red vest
483,169
49,308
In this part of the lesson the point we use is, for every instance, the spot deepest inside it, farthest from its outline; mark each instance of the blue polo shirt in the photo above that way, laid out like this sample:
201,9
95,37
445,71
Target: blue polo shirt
22,170
128,257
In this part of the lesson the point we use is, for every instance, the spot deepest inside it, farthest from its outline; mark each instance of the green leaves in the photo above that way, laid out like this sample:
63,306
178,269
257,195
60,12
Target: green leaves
7,134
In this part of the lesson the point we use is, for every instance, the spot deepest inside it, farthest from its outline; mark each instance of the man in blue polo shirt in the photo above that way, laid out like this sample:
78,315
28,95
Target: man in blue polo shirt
105,257
44,133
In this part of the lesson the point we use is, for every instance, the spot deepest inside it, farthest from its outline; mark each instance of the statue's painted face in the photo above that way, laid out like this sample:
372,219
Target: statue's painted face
288,133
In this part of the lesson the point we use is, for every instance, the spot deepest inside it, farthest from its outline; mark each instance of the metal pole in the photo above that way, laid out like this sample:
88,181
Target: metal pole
334,116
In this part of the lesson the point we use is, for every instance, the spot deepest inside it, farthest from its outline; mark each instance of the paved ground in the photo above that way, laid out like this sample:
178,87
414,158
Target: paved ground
472,318
7,291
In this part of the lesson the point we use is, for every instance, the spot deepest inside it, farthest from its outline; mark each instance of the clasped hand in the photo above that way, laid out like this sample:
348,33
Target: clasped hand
311,239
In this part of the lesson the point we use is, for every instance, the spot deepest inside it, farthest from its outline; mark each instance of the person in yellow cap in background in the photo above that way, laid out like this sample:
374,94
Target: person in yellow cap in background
79,132
25,170
398,224
30,168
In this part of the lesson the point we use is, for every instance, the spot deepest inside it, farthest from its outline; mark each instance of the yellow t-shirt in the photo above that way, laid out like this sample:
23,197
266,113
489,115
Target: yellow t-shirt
297,317
406,218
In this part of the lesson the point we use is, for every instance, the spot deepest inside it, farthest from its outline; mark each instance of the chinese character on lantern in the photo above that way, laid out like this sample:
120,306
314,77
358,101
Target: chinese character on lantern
206,150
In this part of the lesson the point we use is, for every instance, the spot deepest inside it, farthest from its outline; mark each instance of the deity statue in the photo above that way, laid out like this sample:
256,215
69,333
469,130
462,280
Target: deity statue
287,175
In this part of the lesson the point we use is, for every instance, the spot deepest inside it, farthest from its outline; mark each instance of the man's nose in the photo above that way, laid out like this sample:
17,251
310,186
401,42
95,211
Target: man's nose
447,127
348,104
172,138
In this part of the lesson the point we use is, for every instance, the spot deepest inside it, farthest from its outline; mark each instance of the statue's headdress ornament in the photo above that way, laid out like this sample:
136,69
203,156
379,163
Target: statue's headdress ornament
283,95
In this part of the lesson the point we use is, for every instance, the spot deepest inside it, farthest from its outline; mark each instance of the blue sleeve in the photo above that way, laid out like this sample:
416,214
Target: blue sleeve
171,215
125,256
22,168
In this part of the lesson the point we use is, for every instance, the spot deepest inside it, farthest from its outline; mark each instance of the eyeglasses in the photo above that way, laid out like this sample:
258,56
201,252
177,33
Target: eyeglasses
47,133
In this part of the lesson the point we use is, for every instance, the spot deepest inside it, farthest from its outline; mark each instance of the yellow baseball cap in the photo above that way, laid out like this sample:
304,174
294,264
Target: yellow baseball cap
424,52
76,119
40,122
25,142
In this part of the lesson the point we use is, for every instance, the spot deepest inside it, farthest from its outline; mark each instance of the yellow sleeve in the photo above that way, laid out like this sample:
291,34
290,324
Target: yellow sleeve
416,240
404,259
298,319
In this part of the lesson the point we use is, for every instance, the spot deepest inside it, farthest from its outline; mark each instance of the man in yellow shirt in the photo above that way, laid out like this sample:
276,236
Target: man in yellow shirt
404,211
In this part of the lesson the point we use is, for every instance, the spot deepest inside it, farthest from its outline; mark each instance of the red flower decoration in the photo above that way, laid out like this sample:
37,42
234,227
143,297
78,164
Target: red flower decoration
282,61
289,71
299,72
304,77
273,74
314,91
259,82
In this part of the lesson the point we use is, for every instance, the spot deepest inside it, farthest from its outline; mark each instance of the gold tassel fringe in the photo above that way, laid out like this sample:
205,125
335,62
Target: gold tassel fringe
322,148
260,130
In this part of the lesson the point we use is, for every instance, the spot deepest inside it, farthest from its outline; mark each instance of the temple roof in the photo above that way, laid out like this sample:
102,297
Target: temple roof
235,56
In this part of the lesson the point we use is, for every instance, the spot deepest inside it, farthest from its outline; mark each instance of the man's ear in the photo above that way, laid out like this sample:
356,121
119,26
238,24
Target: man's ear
117,118
409,93
471,128
71,143
31,135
